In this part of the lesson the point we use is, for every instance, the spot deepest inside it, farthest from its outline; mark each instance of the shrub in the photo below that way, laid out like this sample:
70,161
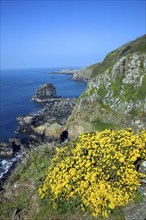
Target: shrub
99,170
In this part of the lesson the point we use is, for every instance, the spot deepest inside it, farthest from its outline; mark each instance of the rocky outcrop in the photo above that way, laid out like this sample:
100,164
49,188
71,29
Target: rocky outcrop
44,93
49,122
84,74
10,148
5,149
116,92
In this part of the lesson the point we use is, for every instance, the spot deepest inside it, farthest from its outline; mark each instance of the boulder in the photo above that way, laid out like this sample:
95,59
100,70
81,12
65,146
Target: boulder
5,149
15,144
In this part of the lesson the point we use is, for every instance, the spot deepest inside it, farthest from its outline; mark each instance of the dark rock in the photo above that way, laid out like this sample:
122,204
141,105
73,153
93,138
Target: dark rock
64,136
49,121
125,50
10,148
44,92
15,144
47,124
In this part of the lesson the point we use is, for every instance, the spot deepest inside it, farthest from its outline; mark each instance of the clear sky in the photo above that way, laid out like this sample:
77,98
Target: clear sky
66,33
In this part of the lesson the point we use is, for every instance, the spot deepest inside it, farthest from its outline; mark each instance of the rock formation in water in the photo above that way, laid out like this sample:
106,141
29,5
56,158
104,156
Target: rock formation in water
45,92
50,121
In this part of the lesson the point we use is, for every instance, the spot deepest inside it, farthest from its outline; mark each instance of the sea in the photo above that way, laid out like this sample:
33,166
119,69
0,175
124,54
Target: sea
16,90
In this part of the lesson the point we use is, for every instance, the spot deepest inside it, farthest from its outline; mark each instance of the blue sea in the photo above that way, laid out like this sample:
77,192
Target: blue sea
16,90
18,86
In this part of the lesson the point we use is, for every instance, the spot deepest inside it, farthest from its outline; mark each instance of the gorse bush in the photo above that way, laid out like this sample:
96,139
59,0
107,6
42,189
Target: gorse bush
99,171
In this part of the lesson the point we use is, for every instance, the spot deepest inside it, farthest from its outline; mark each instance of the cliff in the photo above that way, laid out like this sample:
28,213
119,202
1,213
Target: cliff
115,98
116,92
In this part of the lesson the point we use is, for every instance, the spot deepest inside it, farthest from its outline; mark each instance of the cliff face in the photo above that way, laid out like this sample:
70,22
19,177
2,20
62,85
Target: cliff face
116,92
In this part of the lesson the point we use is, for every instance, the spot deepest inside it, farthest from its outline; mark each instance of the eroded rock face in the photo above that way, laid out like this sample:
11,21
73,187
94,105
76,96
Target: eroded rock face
49,122
116,96
45,92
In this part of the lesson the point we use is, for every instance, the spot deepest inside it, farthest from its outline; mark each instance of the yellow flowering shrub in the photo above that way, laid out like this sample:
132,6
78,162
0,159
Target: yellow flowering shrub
100,170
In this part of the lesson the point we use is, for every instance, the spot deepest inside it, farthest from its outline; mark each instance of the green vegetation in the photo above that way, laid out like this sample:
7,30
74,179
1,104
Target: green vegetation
138,197
100,165
102,91
79,180
134,93
116,85
135,112
138,45
28,175
92,91
23,184
101,126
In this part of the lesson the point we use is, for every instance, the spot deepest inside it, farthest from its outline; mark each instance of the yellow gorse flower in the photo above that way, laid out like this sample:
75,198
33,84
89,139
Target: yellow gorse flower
100,170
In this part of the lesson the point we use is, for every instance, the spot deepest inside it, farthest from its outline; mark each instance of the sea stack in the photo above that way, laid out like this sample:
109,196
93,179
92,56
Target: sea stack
44,92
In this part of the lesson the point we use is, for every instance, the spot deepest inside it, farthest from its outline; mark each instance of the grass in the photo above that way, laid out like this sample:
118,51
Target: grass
138,45
30,174
138,197
135,93
102,91
116,85
101,126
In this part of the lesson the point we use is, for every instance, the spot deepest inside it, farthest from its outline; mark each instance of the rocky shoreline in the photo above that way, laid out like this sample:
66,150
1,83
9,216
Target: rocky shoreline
78,74
46,126
49,122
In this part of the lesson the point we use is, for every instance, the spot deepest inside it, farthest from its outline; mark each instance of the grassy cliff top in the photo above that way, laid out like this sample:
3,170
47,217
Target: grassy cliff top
137,45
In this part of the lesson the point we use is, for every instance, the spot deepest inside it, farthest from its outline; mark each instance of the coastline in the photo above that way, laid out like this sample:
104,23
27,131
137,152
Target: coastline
77,74
39,133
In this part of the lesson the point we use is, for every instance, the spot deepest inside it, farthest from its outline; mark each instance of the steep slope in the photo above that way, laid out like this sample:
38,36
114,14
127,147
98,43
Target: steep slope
84,73
115,97
116,92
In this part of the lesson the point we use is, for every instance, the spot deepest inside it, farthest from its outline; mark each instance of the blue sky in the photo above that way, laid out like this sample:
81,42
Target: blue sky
66,33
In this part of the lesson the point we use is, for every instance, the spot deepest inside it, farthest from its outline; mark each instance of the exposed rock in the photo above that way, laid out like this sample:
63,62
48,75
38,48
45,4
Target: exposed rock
5,149
44,93
116,91
107,98
82,74
142,167
138,211
13,146
49,122
49,130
